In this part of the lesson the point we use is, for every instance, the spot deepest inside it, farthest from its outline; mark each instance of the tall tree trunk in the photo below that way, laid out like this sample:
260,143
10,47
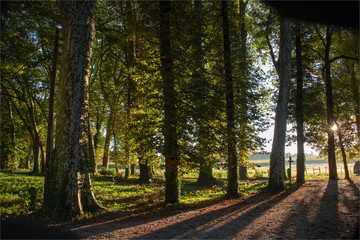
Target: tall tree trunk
277,156
132,169
343,154
243,88
98,126
28,157
92,153
145,170
109,132
50,130
127,171
35,137
206,175
130,57
232,190
172,190
329,107
66,187
36,167
8,157
200,96
42,156
300,162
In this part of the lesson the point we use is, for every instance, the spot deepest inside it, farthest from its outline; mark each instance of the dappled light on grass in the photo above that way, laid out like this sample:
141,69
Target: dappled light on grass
129,195
21,193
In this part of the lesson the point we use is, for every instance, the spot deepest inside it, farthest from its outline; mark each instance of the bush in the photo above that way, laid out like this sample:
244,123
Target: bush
107,172
258,174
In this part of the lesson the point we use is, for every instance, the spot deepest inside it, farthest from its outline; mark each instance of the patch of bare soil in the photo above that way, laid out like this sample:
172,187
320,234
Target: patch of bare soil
319,209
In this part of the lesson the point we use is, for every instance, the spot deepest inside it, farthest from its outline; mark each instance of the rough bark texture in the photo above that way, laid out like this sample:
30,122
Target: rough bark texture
329,107
300,162
71,149
232,190
172,190
277,156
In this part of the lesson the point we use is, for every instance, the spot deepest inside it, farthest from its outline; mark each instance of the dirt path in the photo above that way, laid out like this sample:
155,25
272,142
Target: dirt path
319,209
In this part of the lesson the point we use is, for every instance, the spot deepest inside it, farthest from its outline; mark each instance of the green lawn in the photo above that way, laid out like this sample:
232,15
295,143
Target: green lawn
22,192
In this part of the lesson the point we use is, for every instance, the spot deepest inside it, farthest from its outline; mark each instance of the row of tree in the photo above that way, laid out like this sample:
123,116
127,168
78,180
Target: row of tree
173,83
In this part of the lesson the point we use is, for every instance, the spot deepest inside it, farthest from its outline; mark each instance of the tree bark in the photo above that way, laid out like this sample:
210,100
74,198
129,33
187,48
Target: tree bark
145,170
232,190
300,162
66,187
277,156
206,175
172,190
329,107
132,169
343,154
28,157
36,166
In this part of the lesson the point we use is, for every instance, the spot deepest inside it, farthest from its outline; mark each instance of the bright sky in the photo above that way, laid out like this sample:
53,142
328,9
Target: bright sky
292,149
270,132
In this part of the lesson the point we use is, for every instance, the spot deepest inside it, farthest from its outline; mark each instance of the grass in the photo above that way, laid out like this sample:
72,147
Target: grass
21,193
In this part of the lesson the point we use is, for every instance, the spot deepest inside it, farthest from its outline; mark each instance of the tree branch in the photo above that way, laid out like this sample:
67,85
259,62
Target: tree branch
319,34
276,63
343,56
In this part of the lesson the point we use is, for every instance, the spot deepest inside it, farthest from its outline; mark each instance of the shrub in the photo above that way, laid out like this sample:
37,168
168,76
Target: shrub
258,174
107,172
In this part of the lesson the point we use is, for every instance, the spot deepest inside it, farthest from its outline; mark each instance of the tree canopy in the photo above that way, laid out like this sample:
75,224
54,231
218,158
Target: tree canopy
172,85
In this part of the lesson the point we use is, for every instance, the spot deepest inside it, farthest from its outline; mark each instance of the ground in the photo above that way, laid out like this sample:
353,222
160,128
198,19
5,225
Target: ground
320,209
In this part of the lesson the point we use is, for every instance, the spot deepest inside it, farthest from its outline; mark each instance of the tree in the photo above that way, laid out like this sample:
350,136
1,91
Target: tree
277,156
329,103
69,194
232,190
243,88
26,28
170,145
300,162
50,132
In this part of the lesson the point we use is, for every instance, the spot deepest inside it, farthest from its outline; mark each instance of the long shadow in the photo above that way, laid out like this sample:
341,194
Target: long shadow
205,226
109,221
299,224
329,209
354,187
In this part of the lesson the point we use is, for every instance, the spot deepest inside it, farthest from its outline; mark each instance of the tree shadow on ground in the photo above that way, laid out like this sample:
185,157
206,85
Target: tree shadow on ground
220,223
309,215
301,219
324,220
110,221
